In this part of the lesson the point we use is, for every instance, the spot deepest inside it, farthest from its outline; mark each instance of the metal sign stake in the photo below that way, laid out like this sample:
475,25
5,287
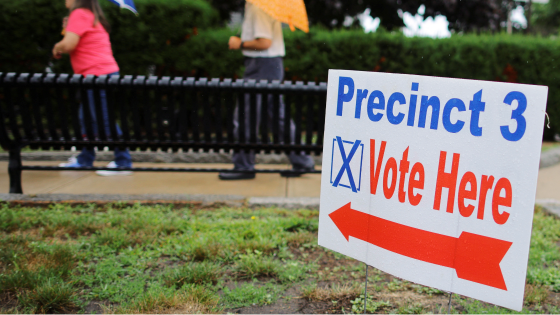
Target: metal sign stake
449,304
365,291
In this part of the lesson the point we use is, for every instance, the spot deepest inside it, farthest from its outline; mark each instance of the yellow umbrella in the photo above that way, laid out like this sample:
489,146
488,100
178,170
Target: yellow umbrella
291,12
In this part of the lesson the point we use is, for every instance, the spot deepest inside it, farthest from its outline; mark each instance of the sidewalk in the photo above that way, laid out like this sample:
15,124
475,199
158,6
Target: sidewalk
548,186
79,182
264,185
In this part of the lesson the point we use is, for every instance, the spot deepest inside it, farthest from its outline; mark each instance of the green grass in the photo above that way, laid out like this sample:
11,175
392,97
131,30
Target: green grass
158,259
50,296
256,265
132,256
249,294
544,258
372,306
194,273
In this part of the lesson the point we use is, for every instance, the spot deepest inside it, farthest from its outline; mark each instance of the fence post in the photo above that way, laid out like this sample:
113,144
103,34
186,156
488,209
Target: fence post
14,170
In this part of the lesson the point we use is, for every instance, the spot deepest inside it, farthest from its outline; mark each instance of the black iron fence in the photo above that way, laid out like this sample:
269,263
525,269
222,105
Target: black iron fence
49,111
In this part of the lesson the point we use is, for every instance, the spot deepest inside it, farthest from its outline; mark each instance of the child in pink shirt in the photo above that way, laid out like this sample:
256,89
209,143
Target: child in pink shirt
86,39
93,54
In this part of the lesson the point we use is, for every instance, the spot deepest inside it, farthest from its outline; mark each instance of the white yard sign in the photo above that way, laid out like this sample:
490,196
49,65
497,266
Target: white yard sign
433,179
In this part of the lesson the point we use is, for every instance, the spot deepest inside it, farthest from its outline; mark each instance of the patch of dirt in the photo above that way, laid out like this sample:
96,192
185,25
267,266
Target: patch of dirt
332,270
289,303
430,304
94,307
553,299
8,301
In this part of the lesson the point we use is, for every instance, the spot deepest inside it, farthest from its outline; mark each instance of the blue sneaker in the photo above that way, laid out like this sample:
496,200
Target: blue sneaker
72,162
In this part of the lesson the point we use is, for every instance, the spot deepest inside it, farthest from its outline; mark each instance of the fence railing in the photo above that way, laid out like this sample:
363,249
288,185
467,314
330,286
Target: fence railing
43,111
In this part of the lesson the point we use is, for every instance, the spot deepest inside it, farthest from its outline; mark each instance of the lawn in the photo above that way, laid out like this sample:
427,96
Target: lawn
161,259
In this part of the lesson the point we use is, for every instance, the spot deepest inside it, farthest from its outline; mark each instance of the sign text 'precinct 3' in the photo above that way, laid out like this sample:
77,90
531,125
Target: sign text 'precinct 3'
433,179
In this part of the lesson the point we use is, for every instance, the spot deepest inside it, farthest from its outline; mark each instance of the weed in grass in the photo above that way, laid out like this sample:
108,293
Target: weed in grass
21,280
472,306
535,294
52,296
202,294
397,285
371,307
250,294
301,238
207,250
255,265
338,256
293,270
332,293
302,225
263,245
308,214
195,273
114,278
427,290
415,308
544,276
119,291
553,309
119,238
284,253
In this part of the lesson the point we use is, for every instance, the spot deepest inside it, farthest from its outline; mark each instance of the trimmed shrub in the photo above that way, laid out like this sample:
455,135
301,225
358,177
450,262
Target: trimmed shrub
30,28
506,58
157,36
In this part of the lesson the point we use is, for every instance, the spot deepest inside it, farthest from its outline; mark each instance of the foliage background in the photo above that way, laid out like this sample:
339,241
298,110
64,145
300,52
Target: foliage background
186,38
30,28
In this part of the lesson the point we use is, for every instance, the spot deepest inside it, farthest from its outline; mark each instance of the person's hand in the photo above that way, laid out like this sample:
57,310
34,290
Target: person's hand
56,53
234,42
64,22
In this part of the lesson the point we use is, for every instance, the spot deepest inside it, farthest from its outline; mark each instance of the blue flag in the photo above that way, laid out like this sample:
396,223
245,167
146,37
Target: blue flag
126,4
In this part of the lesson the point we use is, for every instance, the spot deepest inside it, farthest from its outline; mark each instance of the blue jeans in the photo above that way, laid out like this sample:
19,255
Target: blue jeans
269,69
87,156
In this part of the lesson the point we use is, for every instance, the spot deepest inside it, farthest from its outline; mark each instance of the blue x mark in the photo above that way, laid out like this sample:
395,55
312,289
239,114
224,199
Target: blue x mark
346,163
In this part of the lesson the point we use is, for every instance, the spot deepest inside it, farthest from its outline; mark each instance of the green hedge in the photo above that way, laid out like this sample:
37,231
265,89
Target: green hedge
522,59
30,28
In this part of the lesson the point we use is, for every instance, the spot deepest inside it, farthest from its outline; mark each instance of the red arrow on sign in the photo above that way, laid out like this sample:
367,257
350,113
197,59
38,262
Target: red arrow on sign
474,257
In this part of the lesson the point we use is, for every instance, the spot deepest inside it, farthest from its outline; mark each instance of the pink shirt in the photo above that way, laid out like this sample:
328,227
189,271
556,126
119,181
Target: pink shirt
93,54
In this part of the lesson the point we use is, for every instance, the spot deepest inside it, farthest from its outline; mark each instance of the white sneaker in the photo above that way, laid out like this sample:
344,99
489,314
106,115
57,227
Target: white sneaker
72,162
112,164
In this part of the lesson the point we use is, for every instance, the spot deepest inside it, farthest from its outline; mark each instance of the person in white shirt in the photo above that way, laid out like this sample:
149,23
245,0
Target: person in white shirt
262,43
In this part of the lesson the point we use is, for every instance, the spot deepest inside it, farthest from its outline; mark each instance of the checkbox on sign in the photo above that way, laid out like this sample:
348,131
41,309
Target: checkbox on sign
346,164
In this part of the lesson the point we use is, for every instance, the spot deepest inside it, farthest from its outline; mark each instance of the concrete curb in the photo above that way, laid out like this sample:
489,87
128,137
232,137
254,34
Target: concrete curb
551,206
204,200
285,202
158,157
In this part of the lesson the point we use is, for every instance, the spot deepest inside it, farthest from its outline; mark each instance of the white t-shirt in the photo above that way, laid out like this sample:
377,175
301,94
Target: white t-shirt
258,24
